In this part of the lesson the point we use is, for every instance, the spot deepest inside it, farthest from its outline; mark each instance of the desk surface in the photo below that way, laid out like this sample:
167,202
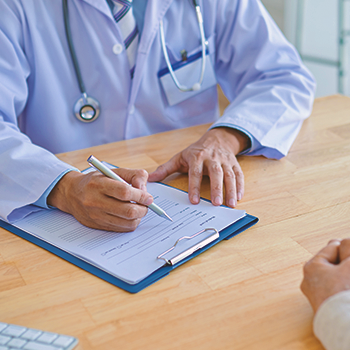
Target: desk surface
241,294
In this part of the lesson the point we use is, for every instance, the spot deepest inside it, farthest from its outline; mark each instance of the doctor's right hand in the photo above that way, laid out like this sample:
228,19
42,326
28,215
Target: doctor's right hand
99,202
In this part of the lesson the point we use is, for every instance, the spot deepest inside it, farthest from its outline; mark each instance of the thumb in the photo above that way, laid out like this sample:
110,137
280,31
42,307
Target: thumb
344,249
166,169
330,252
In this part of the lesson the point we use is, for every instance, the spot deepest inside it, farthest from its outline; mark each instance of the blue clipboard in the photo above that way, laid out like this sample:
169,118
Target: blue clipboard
229,232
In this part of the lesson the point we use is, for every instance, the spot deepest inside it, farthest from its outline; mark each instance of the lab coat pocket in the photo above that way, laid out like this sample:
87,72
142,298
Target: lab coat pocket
188,73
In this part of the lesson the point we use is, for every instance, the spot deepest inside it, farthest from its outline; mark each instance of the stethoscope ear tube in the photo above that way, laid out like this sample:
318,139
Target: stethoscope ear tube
86,109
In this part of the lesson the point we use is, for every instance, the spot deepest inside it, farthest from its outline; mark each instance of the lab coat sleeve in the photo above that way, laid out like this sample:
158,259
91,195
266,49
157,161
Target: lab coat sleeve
26,170
270,91
332,322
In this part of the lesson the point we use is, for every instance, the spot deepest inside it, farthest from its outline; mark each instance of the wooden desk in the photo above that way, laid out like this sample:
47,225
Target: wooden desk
241,294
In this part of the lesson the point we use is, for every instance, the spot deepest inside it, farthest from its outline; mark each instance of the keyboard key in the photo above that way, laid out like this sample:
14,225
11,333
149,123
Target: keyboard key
13,337
33,345
31,334
16,343
47,337
4,339
63,341
13,331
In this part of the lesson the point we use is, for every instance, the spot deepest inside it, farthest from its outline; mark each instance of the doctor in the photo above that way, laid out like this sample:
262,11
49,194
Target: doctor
68,80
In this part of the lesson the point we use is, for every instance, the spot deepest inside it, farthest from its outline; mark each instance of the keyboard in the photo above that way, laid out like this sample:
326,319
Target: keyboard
18,337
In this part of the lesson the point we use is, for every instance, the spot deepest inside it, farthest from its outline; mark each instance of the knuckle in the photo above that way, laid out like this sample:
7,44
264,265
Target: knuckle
132,212
308,266
216,168
141,173
196,172
161,168
229,174
200,153
217,187
238,171
143,197
125,193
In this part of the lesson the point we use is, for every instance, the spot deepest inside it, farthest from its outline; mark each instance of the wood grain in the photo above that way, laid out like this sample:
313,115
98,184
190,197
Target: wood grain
241,294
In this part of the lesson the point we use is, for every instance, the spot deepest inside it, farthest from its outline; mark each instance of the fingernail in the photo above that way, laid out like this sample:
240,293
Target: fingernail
149,201
195,199
218,200
232,203
239,196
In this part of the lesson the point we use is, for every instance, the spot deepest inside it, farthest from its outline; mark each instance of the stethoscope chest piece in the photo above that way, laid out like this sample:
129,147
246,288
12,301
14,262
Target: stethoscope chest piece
86,109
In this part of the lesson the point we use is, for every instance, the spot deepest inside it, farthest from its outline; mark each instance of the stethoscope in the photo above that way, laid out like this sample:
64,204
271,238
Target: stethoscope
86,108
197,85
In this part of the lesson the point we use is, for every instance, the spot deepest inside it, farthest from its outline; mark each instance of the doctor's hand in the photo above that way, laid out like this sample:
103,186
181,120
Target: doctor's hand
213,155
99,202
327,273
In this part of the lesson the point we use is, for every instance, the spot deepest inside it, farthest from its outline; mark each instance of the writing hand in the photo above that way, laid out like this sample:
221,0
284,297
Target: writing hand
99,202
327,273
213,155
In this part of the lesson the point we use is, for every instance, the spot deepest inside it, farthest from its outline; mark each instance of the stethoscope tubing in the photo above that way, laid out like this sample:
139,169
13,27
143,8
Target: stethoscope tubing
197,85
71,47
87,109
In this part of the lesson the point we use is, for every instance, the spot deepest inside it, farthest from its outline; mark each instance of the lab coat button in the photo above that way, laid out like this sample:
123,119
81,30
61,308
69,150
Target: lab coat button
117,49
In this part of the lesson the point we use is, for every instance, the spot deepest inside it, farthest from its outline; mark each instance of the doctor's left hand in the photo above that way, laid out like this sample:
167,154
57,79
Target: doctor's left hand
214,154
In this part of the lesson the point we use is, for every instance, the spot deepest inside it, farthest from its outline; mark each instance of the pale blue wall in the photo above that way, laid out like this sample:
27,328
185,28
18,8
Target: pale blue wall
318,37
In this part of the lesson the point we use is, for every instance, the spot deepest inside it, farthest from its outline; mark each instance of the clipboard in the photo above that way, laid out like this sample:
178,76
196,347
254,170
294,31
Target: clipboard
227,233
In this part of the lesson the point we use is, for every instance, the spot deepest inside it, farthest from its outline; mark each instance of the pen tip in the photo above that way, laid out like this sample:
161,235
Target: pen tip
168,217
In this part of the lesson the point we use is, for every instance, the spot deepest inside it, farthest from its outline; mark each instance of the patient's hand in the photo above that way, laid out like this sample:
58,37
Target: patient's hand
327,273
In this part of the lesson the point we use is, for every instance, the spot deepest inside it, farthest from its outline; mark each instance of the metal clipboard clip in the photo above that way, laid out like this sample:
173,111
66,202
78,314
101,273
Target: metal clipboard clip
190,250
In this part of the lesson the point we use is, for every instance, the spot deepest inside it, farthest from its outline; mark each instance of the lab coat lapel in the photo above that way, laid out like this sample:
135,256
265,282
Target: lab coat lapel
155,11
100,5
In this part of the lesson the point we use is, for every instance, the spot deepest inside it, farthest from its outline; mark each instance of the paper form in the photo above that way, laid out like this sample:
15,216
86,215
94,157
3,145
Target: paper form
132,256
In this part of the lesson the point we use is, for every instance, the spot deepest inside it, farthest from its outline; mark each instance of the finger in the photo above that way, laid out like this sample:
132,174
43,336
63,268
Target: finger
107,213
195,175
239,181
230,186
126,193
136,177
120,206
344,249
108,222
126,211
216,176
166,169
330,253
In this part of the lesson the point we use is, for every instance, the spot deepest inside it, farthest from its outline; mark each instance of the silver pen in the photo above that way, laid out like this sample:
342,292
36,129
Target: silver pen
111,174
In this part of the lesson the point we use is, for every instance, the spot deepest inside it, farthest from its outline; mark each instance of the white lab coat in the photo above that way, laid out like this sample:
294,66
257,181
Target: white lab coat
271,92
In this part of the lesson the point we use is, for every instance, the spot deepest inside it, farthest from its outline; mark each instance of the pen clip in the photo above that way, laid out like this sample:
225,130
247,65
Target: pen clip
177,258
